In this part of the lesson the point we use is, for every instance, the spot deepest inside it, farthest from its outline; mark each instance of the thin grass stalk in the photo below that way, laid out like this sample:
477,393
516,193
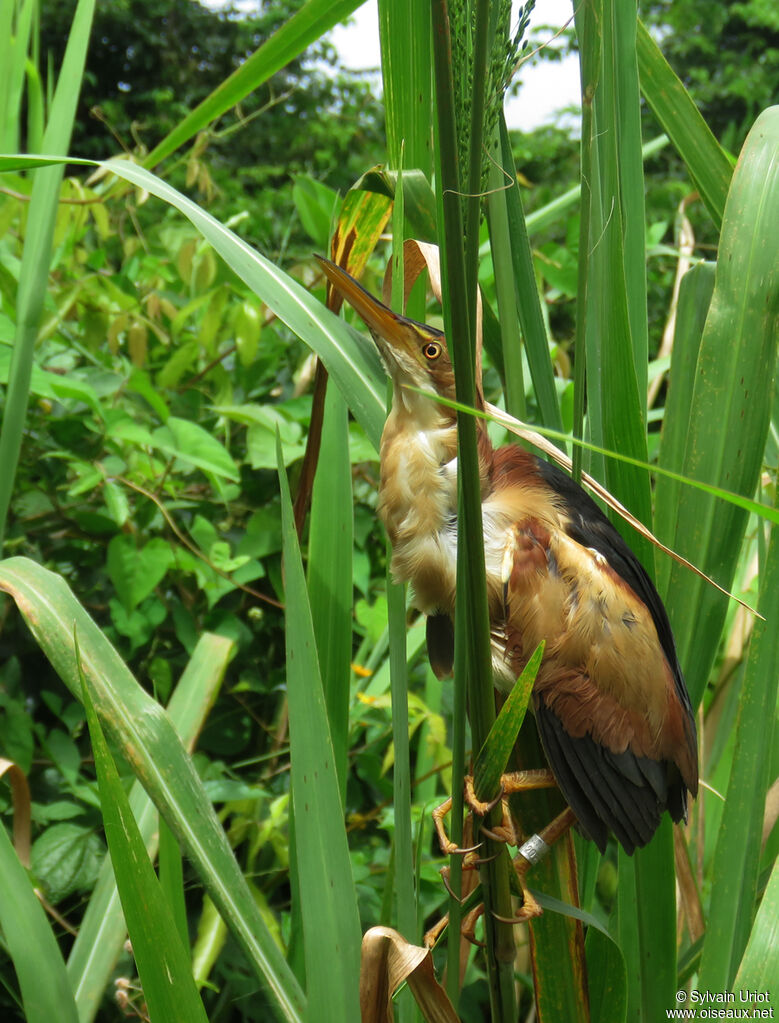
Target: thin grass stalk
16,22
471,581
459,714
404,869
631,172
473,186
396,608
589,68
651,892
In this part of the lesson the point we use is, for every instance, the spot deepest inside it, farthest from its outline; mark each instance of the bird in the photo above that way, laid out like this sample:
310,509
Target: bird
610,702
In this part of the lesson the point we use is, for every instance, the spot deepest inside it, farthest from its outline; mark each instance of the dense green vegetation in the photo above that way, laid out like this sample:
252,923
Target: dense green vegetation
153,369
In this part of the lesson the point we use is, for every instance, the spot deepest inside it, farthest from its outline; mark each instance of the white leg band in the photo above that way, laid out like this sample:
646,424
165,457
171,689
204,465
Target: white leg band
534,849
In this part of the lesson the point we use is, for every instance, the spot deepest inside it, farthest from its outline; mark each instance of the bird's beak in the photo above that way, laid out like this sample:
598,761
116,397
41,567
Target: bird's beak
377,316
397,337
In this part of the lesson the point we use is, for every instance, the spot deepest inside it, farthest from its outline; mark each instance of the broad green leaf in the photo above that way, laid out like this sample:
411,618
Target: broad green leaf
144,733
191,443
327,896
316,205
135,571
66,859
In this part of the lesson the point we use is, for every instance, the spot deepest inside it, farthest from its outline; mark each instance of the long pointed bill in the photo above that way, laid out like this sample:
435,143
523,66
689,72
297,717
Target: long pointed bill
398,338
377,316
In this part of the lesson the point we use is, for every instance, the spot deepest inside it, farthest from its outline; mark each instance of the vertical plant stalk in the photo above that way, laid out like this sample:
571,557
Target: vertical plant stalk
472,648
589,61
404,872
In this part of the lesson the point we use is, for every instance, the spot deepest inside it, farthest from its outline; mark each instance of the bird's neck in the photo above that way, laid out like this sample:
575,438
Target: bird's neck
418,499
418,489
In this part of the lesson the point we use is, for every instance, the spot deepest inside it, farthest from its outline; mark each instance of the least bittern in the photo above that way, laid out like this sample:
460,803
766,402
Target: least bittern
610,702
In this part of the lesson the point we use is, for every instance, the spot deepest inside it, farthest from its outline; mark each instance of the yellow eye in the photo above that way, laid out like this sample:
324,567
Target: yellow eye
431,350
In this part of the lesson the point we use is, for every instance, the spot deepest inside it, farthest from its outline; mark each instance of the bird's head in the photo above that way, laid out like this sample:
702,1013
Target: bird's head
413,354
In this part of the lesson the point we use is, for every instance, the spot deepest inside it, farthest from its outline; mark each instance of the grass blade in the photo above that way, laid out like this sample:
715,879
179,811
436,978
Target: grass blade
404,30
737,856
305,26
46,993
472,642
693,306
681,120
758,971
161,958
103,929
330,572
327,897
730,409
142,730
34,273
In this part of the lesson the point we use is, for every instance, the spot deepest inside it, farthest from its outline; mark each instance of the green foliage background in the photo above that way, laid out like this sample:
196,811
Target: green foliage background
147,477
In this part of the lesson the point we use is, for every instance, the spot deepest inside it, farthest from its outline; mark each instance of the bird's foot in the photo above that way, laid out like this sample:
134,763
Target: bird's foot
515,781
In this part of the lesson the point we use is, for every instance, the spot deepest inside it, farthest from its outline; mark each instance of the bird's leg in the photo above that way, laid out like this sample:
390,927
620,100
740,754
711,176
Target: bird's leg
468,883
530,852
510,783
514,781
448,847
467,928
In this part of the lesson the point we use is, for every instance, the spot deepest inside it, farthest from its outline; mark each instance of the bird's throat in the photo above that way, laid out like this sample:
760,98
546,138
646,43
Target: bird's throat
418,502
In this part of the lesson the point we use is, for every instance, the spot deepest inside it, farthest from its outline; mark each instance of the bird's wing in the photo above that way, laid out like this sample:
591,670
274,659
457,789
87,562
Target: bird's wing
611,704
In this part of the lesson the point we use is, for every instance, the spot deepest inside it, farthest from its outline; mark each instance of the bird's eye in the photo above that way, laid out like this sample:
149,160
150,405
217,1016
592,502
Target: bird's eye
431,350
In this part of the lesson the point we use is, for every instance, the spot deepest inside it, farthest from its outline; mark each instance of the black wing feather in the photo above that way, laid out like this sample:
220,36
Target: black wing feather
600,786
